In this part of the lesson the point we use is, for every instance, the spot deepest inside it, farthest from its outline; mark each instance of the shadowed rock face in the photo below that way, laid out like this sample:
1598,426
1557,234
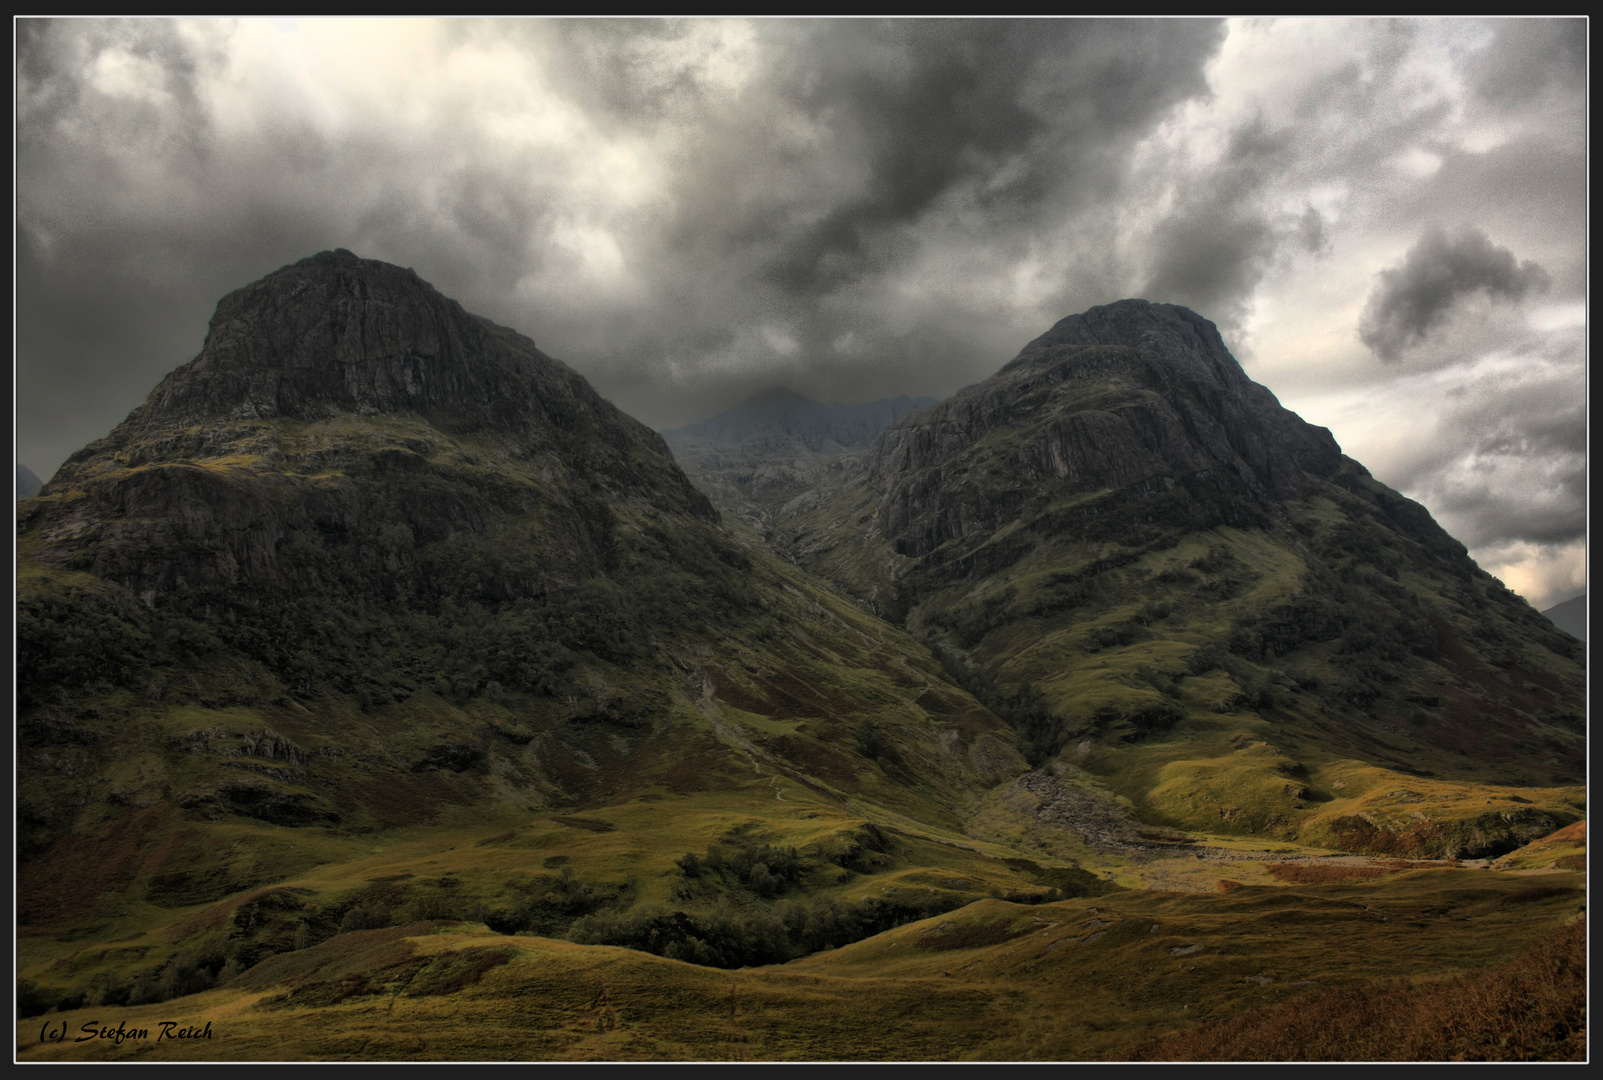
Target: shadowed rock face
1133,397
335,334
283,426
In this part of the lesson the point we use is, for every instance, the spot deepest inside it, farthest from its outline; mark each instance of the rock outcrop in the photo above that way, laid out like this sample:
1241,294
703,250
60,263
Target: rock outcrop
1133,397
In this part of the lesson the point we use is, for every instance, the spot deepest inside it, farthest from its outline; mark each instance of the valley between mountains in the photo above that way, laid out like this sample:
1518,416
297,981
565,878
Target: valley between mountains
385,693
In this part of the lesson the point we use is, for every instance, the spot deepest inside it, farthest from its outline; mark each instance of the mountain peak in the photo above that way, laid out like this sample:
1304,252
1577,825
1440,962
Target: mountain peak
338,333
1177,334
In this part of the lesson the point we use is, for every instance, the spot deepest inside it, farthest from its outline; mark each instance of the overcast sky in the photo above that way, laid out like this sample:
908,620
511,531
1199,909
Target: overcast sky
1386,219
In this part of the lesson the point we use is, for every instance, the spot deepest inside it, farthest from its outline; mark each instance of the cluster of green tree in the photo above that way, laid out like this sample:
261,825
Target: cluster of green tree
287,920
545,906
203,965
873,742
76,637
1112,636
731,937
1142,718
765,870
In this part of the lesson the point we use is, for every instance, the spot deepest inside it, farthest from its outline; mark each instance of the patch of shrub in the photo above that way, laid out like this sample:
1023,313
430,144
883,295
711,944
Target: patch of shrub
34,1000
727,937
1066,881
873,744
365,916
1530,1008
1162,683
1111,636
1205,659
1144,719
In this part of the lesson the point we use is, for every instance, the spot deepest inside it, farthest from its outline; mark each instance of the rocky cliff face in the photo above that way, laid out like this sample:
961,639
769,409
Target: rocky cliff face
342,401
1133,397
335,333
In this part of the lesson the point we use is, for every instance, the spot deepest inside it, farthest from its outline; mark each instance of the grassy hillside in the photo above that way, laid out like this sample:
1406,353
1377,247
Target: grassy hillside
583,696
1328,667
1074,980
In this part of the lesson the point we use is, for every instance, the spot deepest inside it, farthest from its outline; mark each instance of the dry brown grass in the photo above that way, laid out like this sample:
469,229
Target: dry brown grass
951,936
63,884
1531,1008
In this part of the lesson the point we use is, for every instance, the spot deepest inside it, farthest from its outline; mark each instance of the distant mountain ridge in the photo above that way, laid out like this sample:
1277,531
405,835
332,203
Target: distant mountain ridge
28,484
1570,616
784,419
772,443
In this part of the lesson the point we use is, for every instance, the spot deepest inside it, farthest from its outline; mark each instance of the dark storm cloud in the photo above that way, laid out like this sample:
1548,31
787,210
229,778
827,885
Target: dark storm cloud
1017,110
1212,250
899,114
1533,186
1437,274
797,173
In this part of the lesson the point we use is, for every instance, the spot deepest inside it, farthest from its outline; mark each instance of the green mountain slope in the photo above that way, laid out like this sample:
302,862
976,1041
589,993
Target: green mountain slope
370,568
1168,581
